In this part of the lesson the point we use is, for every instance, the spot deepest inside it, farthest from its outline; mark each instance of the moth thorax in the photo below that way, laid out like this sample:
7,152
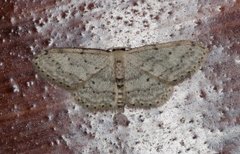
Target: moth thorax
119,69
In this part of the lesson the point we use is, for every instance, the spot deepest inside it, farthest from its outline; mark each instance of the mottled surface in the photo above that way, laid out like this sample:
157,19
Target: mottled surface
202,116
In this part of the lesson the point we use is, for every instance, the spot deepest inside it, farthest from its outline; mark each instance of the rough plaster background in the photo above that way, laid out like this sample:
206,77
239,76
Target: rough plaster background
202,116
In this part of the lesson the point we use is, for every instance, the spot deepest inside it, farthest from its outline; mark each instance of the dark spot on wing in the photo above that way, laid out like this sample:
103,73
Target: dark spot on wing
45,52
193,44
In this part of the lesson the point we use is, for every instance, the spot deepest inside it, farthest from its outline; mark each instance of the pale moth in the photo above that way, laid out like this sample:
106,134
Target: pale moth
102,80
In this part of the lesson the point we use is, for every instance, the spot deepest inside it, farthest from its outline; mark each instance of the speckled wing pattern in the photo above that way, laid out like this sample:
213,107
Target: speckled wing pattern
171,62
141,77
86,73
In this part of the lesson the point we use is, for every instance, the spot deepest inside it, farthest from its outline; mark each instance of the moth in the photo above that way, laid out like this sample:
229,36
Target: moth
141,77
